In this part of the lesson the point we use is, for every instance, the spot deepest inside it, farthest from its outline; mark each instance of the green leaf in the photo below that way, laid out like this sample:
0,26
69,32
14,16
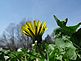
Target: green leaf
68,29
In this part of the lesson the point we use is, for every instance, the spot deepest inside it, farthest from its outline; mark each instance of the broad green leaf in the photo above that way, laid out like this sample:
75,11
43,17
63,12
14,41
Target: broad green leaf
68,29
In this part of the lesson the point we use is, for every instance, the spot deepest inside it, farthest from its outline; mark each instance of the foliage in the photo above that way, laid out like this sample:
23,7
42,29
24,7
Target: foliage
65,45
74,32
67,29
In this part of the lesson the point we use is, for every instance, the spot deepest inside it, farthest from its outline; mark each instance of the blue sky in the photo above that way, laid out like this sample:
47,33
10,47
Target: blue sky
13,11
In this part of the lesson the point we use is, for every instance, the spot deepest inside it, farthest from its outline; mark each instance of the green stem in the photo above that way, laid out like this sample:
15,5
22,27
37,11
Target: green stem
47,56
25,58
77,46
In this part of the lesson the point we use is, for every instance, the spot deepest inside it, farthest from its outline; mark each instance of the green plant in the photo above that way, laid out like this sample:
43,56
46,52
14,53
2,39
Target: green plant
66,46
70,31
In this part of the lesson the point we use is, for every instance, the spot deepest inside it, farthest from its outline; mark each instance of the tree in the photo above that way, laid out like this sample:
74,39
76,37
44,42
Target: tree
12,38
